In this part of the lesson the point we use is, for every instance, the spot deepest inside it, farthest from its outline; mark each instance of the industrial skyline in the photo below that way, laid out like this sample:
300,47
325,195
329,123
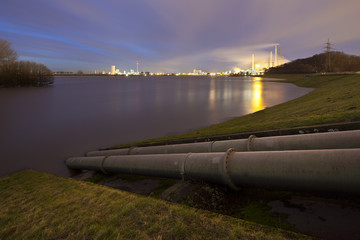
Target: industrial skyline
257,67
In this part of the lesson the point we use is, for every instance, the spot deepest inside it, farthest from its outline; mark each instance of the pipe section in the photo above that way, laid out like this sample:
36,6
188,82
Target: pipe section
169,166
311,170
331,140
219,146
316,170
88,163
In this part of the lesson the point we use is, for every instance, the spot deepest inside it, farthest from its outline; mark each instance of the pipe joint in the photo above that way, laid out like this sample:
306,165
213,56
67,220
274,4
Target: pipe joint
250,143
226,174
182,170
210,146
102,165
129,150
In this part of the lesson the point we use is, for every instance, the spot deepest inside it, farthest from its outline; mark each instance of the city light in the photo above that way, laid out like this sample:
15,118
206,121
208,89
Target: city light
256,67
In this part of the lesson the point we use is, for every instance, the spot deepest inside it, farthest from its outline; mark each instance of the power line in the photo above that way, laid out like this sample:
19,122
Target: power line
328,48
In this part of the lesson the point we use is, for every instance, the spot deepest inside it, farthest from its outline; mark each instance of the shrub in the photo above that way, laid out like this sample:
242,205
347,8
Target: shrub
24,73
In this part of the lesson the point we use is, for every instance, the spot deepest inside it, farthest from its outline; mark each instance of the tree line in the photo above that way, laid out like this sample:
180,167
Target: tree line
15,73
321,63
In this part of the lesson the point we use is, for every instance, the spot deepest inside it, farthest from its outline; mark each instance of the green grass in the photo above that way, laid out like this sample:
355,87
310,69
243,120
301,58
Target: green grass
260,213
36,205
335,98
250,204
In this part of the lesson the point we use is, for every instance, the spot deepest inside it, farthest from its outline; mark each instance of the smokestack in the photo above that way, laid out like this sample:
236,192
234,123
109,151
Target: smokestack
253,62
271,59
279,55
275,63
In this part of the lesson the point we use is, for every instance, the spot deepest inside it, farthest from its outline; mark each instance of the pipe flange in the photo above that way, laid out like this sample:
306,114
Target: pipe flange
102,165
226,169
182,170
250,143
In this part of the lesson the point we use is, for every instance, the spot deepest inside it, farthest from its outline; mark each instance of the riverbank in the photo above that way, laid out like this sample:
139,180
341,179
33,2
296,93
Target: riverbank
335,99
36,205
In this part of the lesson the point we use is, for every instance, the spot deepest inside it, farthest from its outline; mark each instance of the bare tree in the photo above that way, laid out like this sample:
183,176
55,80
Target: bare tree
6,53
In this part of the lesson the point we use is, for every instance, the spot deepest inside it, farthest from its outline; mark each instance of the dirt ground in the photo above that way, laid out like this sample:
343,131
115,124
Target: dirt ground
320,217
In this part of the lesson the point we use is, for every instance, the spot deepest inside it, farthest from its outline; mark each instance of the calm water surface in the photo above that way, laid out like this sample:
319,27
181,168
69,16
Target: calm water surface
41,127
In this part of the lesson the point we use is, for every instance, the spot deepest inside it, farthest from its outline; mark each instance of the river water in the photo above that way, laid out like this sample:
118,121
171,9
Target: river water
41,127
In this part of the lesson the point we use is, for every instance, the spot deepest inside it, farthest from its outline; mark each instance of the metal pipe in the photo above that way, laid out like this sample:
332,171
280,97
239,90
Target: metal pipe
331,140
317,170
163,149
161,165
88,163
311,170
216,146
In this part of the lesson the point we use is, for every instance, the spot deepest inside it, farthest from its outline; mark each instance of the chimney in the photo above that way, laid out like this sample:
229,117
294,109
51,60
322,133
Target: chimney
275,63
280,63
253,62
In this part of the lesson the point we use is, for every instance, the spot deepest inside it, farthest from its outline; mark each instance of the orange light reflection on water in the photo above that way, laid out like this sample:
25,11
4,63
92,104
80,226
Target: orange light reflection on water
257,102
212,94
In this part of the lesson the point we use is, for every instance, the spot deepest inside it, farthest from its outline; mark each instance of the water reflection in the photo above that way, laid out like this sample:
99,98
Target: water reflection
212,94
257,102
225,93
42,127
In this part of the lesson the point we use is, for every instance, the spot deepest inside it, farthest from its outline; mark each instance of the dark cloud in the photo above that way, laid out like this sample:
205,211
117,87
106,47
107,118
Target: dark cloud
174,35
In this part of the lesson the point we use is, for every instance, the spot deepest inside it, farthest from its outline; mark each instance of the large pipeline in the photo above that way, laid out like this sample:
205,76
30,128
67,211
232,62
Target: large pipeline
335,170
331,140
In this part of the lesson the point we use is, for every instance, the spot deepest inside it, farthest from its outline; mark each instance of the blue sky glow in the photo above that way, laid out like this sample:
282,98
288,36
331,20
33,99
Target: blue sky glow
177,35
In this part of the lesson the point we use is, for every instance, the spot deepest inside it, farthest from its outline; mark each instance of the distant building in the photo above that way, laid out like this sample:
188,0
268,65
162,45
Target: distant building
197,72
112,70
253,62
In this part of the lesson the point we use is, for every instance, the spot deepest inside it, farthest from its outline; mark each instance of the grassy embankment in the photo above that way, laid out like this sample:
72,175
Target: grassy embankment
35,205
335,98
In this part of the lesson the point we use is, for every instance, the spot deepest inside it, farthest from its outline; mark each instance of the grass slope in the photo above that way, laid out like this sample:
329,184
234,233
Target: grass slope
335,98
35,205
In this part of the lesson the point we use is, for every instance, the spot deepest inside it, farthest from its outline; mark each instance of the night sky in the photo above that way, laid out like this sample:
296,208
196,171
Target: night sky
175,35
